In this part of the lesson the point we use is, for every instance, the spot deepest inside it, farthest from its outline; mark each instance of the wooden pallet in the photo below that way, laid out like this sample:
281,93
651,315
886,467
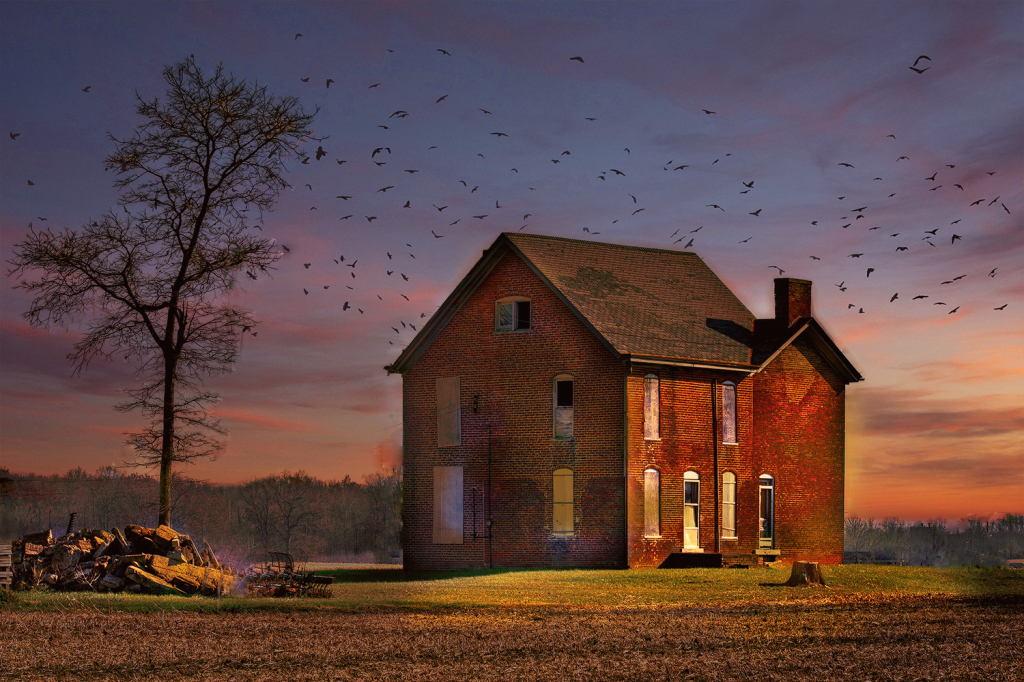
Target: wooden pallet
6,571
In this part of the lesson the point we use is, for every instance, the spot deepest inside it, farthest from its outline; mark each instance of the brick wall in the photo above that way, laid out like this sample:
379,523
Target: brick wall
507,384
799,438
687,444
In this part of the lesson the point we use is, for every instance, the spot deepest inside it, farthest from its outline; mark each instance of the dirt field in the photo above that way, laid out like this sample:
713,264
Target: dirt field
819,638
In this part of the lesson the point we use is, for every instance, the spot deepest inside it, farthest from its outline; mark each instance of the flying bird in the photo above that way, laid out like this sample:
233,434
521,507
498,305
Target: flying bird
297,36
953,310
442,97
901,248
870,270
855,255
436,235
304,80
894,297
14,136
500,134
345,306
444,52
903,157
917,297
1004,207
637,211
485,111
709,112
329,81
924,56
1001,307
576,59
815,258
374,85
955,237
385,189
847,165
756,213
617,172
87,88
748,185
681,167
439,208
715,206
370,218
919,71
781,271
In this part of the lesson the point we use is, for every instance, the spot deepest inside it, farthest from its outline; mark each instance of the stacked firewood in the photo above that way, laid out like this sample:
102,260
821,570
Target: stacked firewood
155,560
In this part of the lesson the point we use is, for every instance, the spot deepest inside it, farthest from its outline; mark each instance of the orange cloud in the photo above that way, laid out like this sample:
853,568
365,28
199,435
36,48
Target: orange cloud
263,421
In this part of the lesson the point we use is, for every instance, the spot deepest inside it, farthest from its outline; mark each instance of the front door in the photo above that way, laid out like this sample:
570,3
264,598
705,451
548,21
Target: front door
691,514
767,512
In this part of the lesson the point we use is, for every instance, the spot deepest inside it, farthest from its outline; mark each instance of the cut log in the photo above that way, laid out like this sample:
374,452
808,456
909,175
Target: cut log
189,551
122,540
150,540
43,537
150,582
805,573
188,577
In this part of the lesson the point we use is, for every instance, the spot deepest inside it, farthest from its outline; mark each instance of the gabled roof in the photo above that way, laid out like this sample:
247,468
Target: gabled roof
771,344
648,304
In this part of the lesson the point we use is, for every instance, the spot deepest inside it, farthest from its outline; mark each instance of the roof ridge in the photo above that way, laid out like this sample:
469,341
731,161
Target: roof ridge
588,242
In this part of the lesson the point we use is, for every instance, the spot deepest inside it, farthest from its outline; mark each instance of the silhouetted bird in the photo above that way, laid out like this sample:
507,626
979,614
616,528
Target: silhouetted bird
919,71
894,297
1001,307
955,237
576,59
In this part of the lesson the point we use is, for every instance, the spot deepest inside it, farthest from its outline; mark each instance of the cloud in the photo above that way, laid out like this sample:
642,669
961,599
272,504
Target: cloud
891,412
263,421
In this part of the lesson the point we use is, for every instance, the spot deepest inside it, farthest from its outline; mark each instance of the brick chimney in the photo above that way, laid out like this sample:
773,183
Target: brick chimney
792,299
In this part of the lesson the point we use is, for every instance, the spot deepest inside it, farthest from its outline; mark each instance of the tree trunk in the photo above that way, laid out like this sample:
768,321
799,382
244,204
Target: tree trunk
167,444
806,573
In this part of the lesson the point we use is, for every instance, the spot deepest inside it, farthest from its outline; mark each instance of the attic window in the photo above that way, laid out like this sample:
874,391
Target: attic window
512,314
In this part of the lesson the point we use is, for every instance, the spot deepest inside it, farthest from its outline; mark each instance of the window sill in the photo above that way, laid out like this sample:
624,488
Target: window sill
652,537
512,331
726,443
730,539
652,440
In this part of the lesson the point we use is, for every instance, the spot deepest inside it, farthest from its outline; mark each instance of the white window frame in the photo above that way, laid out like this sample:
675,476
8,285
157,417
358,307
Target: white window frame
562,417
562,519
729,435
691,534
652,503
512,325
766,484
728,505
652,407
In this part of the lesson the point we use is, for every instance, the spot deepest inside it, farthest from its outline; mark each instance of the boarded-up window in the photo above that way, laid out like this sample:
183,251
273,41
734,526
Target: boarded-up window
728,505
562,507
652,408
563,407
448,505
729,412
449,412
652,503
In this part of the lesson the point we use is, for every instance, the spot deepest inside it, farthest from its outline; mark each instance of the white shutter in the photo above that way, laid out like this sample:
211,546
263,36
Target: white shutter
448,505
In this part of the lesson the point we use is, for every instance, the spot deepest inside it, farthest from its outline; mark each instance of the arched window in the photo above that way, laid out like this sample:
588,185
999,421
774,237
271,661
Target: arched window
728,505
766,489
652,408
562,521
512,314
563,408
652,503
729,412
691,510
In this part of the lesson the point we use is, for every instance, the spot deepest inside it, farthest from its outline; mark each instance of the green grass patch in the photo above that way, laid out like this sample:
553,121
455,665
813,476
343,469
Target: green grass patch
389,589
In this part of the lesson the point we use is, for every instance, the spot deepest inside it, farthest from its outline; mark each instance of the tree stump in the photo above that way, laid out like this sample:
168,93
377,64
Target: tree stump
805,573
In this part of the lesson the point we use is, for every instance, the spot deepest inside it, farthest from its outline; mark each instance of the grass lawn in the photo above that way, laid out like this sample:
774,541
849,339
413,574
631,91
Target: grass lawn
397,590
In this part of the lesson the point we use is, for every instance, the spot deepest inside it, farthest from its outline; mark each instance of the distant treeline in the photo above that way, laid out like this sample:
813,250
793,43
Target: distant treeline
974,543
289,512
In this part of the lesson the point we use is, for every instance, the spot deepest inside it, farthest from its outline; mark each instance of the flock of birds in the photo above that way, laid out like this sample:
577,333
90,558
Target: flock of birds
398,175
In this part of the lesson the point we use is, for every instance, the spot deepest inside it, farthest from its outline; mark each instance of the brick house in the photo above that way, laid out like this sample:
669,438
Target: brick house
575,403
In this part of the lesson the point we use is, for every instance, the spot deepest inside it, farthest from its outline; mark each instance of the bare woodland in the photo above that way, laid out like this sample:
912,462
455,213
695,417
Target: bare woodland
290,512
934,543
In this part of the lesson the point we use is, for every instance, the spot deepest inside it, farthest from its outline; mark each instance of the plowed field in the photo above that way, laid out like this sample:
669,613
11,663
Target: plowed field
886,637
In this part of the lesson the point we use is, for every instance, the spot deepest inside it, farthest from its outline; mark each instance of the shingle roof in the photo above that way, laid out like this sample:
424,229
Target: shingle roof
643,301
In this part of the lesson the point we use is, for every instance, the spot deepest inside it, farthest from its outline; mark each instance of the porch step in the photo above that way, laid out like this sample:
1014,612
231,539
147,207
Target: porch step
692,560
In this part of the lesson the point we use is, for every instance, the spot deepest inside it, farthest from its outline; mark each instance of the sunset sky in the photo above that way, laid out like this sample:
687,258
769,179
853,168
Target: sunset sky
796,90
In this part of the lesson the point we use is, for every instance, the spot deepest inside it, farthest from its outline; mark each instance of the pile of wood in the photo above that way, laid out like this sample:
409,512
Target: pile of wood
156,560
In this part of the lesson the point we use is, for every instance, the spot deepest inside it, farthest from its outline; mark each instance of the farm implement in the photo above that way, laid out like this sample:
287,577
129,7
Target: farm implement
279,578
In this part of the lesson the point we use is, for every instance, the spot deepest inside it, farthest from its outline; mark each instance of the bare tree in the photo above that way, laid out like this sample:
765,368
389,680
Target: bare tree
150,281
